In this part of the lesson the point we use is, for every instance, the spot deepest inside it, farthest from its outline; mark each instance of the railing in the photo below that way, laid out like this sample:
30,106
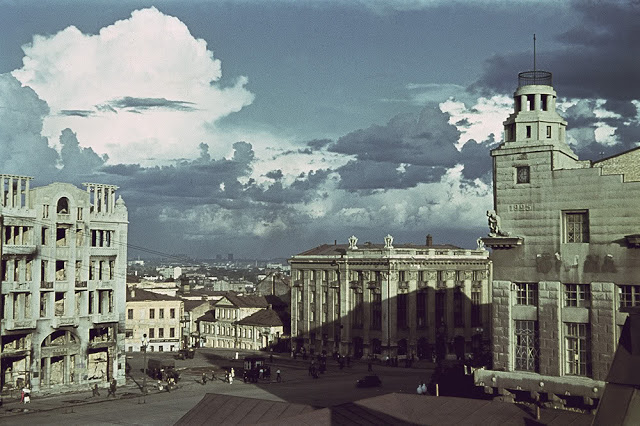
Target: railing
81,284
18,324
531,78
46,285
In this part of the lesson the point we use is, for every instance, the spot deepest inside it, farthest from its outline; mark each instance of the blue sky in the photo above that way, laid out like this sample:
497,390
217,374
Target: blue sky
264,128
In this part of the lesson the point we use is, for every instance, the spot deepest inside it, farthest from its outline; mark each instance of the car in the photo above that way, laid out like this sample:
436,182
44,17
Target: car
369,381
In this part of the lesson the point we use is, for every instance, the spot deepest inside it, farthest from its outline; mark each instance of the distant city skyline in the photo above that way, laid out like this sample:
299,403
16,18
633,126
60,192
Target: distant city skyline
265,128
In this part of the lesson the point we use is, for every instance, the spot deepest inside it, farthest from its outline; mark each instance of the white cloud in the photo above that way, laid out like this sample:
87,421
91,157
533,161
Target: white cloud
166,80
481,120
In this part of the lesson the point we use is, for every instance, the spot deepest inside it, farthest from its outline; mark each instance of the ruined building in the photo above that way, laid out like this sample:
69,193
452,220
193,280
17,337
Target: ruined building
386,300
64,253
566,255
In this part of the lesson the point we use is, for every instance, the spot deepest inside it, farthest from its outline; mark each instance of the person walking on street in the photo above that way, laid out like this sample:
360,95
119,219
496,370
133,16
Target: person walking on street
95,390
204,378
112,388
26,392
278,377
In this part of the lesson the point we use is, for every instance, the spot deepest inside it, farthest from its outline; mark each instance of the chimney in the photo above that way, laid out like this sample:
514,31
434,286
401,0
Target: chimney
429,240
335,242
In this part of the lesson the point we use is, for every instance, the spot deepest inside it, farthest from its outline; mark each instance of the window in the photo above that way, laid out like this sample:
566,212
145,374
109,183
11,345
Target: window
161,333
577,352
402,310
548,132
152,313
476,308
527,294
128,334
576,226
458,308
577,295
376,311
63,206
79,213
61,236
44,236
522,174
629,295
402,276
528,132
358,309
421,309
59,304
130,314
441,314
152,333
161,313
160,348
527,345
172,313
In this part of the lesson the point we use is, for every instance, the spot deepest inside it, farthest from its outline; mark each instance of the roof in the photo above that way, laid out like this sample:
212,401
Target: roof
140,295
209,316
192,304
264,317
339,249
227,409
245,301
393,408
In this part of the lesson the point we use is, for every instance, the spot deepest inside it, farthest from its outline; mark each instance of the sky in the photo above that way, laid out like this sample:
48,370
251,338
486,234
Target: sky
264,128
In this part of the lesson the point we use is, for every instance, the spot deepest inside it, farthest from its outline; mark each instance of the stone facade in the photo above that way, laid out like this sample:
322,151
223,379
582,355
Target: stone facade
64,254
156,319
567,258
385,300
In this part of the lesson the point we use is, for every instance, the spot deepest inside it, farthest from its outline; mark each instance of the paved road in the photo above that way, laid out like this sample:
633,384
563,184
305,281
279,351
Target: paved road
162,408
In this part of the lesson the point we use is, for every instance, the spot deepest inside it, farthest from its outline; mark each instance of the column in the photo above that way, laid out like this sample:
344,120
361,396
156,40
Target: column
536,102
523,103
550,326
11,195
27,201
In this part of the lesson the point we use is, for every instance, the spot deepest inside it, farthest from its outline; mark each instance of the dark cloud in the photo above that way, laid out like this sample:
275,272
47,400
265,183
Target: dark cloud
275,174
143,104
368,175
475,158
76,112
319,143
599,58
77,161
425,140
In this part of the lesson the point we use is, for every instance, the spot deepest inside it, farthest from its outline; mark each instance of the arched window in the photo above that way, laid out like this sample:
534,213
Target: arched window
63,206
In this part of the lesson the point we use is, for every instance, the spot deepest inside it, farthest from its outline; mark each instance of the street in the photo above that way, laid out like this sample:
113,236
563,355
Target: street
165,408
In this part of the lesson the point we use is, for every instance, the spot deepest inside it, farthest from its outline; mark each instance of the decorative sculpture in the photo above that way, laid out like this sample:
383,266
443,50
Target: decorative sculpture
494,225
388,241
352,242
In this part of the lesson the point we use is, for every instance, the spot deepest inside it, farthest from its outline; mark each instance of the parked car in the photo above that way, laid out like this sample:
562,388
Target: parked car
369,381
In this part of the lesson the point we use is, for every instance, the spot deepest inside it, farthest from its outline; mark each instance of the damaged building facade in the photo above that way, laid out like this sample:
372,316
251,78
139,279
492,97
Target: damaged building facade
63,273
390,300
566,255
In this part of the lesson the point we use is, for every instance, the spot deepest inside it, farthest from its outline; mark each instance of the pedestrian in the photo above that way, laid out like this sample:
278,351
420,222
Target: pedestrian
419,389
424,388
95,390
213,374
278,377
112,388
261,373
204,378
26,392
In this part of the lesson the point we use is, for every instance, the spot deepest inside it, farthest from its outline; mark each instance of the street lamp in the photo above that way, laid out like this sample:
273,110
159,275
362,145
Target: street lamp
143,347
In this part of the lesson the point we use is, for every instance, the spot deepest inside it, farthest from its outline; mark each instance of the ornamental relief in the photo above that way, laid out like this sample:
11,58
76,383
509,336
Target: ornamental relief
450,275
432,275
468,275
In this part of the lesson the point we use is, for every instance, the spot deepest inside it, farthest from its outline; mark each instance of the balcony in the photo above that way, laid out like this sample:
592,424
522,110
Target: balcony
355,284
104,284
18,324
46,285
459,283
18,250
334,284
65,321
103,251
106,317
423,284
9,286
403,285
81,284
441,284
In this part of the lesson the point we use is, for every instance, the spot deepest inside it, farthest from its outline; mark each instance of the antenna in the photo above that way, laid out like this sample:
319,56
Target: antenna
534,52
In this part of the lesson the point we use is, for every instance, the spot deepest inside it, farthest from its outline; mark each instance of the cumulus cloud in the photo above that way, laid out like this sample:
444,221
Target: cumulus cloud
142,90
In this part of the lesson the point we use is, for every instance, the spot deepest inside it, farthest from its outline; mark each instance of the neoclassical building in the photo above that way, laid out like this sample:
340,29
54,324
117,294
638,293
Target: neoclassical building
390,300
64,254
566,254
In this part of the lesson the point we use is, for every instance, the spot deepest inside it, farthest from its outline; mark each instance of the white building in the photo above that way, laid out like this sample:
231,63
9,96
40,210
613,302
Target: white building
64,254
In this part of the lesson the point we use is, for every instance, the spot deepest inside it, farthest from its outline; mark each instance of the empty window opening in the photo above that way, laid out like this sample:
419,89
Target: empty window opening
528,132
530,102
548,131
44,236
545,103
59,303
63,206
61,237
61,270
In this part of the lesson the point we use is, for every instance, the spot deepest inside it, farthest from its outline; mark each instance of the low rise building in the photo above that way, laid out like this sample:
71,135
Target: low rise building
387,300
153,319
